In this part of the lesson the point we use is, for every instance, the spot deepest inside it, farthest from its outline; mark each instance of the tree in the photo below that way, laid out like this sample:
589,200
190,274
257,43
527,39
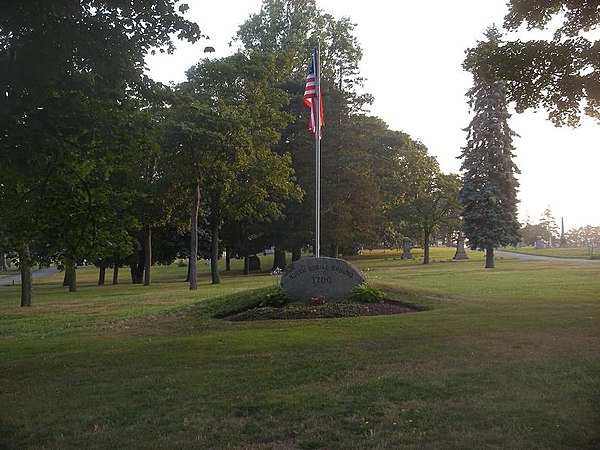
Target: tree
550,226
223,123
290,29
72,80
530,233
562,74
351,200
489,186
584,236
424,199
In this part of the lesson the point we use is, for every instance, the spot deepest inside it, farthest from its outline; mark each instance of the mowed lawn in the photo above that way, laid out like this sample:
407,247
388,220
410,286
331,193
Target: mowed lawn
557,252
503,358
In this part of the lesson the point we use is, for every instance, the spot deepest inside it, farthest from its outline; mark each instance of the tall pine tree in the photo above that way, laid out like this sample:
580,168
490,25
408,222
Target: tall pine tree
489,186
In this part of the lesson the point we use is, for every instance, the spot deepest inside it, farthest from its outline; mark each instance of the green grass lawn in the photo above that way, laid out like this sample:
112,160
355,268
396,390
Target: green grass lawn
582,253
503,358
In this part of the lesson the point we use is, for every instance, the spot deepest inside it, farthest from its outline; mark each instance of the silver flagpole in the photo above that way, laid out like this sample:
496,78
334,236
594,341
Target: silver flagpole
317,62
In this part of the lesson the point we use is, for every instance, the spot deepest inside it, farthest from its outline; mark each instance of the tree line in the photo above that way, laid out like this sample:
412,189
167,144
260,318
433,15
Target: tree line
102,164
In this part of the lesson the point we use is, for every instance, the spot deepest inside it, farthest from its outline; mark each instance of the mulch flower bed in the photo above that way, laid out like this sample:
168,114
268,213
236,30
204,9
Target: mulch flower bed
323,311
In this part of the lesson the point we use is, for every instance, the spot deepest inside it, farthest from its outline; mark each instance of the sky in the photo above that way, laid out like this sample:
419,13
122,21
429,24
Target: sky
412,62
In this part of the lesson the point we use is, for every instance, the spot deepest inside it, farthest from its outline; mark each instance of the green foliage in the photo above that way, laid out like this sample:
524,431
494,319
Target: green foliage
584,236
291,28
275,298
531,232
489,186
71,90
367,293
560,74
218,137
350,200
423,199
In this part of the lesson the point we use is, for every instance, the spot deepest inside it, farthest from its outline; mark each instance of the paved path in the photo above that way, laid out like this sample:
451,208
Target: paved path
544,258
41,273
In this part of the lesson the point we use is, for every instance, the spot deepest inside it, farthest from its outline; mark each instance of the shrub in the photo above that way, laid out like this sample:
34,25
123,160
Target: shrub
366,293
275,298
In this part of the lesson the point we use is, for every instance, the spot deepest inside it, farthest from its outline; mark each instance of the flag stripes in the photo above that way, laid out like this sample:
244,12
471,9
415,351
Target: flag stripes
311,98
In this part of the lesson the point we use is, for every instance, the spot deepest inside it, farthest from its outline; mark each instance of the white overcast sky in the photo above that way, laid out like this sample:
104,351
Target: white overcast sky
412,55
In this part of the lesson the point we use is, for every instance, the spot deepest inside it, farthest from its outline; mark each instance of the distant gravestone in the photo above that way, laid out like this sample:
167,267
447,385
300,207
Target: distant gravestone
406,248
563,239
539,244
460,249
324,278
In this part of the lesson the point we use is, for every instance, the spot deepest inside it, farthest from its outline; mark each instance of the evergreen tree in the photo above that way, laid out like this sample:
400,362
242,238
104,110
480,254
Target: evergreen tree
489,187
551,228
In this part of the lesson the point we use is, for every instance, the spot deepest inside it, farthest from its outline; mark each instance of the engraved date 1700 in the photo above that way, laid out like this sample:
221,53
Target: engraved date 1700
321,280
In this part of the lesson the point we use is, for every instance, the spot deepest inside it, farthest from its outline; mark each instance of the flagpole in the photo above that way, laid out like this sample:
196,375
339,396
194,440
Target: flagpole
317,63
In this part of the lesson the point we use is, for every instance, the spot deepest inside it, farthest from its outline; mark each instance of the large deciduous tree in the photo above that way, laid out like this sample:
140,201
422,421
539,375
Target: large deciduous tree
290,29
560,74
223,123
584,237
423,198
71,83
489,186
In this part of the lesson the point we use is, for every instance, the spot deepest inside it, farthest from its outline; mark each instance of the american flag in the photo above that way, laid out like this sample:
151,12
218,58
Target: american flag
310,96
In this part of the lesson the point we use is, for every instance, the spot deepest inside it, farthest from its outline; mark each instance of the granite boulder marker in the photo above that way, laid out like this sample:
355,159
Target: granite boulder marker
327,278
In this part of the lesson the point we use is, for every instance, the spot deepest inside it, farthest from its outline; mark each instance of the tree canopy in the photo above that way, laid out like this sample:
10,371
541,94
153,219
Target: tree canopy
101,164
560,74
72,84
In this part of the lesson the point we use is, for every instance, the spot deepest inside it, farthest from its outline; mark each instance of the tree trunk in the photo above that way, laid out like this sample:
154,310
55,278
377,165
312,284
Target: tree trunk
102,274
137,273
246,270
194,240
214,254
279,260
187,277
72,277
489,258
66,281
147,254
335,250
426,247
3,261
227,259
214,239
116,274
296,253
26,279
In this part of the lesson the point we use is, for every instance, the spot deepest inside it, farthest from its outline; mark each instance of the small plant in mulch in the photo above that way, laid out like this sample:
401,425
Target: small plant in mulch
366,293
276,298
